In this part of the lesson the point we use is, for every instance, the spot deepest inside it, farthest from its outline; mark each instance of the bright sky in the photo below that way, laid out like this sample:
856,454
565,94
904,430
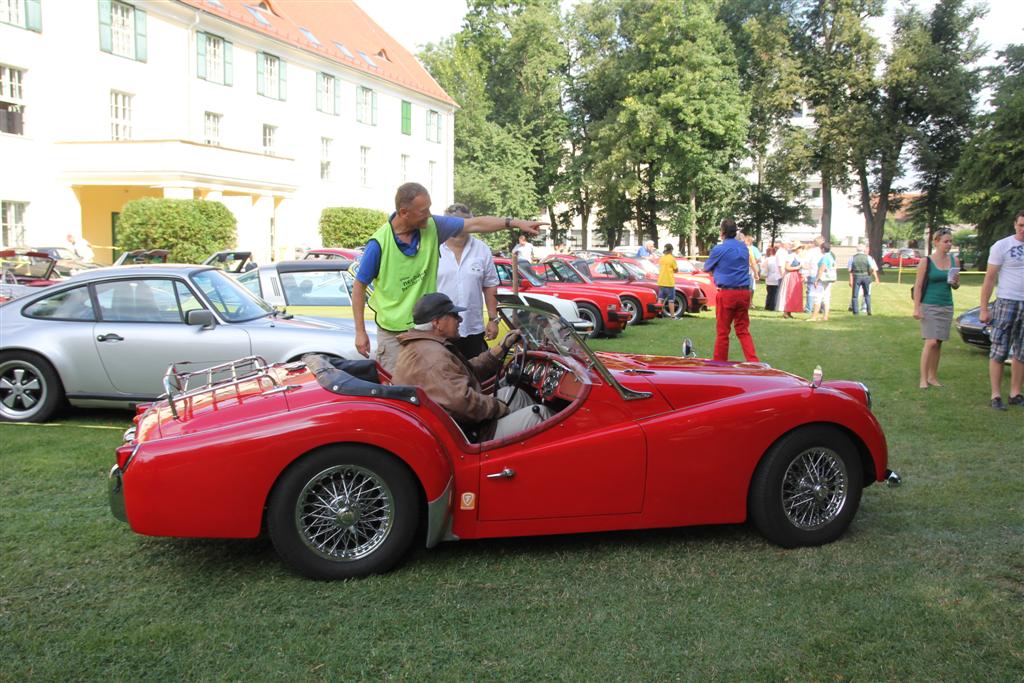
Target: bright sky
415,24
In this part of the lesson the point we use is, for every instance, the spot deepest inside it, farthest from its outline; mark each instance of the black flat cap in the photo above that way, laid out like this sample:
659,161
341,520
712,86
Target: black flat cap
432,306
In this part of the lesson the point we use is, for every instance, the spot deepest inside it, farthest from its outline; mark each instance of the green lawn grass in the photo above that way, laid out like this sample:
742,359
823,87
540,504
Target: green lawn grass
928,585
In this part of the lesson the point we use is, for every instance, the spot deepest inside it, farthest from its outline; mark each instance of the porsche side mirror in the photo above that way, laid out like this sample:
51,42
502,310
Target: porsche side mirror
201,317
688,350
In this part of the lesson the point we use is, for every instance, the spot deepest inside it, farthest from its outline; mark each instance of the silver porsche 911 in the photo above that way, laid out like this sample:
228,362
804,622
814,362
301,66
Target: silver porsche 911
106,337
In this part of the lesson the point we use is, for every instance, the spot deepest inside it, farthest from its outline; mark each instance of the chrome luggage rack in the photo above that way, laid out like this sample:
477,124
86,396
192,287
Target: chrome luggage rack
231,375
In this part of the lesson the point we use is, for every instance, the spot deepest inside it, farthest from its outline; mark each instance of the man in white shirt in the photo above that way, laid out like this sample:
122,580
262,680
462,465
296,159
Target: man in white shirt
809,269
524,249
1006,262
466,273
82,248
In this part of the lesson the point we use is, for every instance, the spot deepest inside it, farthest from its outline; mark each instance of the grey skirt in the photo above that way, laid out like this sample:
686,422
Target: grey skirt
936,321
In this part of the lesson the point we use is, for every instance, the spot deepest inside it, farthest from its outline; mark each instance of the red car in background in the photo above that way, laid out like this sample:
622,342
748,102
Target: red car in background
638,300
596,306
906,258
687,272
689,297
24,270
334,253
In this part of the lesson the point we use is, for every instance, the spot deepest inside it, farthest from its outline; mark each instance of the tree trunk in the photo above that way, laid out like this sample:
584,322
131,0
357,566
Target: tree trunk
826,207
692,251
874,221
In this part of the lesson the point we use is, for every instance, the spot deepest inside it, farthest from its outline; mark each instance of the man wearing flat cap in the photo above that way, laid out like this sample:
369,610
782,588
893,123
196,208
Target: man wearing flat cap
429,359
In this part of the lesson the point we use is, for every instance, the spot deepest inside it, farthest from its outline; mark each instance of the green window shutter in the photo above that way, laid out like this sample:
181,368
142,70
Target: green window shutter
320,78
140,35
359,100
229,69
260,73
373,107
406,118
337,97
282,81
201,55
33,16
106,35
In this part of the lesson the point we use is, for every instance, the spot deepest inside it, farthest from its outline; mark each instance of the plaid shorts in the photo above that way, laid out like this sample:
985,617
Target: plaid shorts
1007,330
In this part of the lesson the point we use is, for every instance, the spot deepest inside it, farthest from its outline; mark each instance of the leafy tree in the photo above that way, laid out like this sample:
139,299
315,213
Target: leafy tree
349,227
839,57
191,229
989,180
947,88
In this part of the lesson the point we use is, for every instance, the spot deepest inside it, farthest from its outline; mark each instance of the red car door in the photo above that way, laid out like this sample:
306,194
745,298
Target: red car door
593,463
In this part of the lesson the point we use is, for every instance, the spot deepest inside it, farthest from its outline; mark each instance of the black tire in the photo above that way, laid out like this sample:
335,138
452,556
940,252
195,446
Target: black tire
368,506
590,313
635,309
30,389
806,489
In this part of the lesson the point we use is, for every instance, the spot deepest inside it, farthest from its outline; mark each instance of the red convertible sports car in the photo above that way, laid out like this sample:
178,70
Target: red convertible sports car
346,472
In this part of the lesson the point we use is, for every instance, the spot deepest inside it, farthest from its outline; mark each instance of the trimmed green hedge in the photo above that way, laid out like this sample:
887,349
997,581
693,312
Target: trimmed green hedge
349,227
191,229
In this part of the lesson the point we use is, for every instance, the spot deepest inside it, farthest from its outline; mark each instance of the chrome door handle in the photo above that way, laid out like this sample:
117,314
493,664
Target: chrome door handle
109,337
506,473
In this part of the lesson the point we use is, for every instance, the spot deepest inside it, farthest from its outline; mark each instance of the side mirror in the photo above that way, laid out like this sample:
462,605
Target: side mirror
688,351
201,317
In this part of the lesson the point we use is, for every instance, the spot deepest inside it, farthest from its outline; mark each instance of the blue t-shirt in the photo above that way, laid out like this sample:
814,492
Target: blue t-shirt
729,262
369,264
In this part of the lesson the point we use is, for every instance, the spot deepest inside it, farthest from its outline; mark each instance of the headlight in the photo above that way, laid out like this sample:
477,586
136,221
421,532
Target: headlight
867,393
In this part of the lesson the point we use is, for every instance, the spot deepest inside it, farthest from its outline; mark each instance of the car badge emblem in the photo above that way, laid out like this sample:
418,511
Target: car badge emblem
467,501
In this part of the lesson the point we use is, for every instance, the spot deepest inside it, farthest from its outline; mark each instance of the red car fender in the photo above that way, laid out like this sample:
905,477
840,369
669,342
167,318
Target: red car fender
190,500
715,484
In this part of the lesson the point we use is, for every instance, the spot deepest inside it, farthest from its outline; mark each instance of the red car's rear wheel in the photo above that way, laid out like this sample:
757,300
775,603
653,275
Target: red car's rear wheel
343,512
590,313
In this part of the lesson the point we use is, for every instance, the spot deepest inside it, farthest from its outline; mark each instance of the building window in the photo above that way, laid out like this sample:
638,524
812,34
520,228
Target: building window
23,13
212,129
214,59
403,168
366,106
406,118
815,192
433,126
270,76
12,94
269,140
431,177
120,116
12,223
122,30
327,96
364,166
325,158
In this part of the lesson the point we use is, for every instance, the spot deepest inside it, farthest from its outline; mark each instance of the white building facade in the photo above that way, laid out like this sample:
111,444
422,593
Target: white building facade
277,109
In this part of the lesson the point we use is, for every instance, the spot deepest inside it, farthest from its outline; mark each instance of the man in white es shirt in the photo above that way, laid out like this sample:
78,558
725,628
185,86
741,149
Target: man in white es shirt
524,249
466,273
809,269
1006,262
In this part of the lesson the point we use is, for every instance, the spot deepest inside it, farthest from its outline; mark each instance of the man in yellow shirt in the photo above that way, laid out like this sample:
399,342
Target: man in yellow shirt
667,268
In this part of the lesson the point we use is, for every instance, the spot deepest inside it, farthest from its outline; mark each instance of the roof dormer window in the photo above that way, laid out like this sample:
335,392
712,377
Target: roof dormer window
367,59
309,36
257,13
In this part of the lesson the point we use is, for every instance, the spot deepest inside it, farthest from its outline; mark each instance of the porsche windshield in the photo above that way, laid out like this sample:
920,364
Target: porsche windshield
232,301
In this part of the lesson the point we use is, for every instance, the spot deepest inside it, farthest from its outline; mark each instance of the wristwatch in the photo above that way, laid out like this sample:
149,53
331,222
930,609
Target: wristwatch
508,222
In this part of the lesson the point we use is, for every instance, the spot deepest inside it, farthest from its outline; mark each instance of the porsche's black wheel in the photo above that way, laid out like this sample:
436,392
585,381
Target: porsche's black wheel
30,390
343,512
807,488
634,308
590,313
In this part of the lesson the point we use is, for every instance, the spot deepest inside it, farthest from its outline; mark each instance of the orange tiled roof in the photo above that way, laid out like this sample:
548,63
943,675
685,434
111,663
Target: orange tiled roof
330,22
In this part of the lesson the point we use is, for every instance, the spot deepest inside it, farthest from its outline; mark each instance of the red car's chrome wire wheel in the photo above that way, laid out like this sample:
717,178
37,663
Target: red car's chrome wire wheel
814,488
344,513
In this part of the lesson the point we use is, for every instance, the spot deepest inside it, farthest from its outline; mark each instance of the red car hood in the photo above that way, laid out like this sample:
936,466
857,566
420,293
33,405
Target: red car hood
691,381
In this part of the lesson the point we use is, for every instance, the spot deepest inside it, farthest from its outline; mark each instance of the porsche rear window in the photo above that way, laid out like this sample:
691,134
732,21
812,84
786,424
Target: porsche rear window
71,304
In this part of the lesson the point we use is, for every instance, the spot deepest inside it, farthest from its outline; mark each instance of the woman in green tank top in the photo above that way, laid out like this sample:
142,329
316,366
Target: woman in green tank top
937,277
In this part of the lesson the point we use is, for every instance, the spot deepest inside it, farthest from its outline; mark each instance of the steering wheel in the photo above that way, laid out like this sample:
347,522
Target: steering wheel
514,370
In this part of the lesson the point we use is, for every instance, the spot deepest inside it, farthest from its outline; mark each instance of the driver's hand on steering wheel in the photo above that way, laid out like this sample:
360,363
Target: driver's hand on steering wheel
507,343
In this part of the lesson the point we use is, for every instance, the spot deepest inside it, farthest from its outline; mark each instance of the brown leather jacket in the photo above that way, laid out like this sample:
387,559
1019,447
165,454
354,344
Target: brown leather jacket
447,377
